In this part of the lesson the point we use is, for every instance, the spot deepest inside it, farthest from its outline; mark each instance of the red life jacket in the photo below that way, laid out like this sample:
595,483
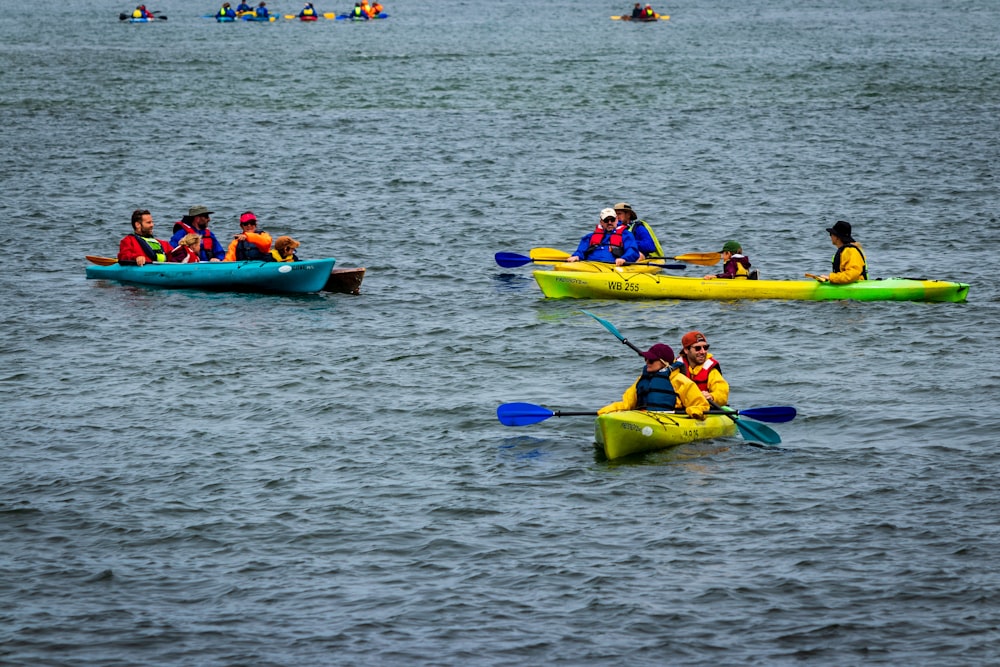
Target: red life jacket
206,238
615,243
701,377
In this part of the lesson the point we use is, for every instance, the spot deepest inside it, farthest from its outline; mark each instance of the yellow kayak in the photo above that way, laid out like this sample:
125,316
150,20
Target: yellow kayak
632,285
628,432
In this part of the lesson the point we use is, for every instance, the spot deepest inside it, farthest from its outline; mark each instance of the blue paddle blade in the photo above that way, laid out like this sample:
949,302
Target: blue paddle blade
776,414
522,414
509,260
759,432
607,325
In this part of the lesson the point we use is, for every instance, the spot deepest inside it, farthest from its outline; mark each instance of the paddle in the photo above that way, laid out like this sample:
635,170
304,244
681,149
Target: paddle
101,261
817,278
702,258
522,414
760,432
510,260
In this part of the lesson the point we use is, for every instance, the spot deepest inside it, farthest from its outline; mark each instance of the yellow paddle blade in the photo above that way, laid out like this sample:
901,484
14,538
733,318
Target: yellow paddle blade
701,258
289,16
616,18
664,17
330,15
102,261
548,254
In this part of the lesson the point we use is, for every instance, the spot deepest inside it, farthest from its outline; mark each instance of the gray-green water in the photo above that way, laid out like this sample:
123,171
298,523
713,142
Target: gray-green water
220,479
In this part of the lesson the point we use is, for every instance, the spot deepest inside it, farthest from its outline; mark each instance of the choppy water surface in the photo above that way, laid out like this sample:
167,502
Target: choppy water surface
223,479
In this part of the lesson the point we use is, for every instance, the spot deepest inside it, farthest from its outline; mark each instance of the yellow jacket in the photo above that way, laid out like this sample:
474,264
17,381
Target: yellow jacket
715,384
688,397
852,264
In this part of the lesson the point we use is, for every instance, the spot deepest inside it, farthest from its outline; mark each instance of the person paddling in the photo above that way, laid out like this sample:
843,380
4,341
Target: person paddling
661,387
610,242
849,263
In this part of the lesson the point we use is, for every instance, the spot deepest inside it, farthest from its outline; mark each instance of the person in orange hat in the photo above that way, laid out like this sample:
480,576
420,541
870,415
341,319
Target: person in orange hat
661,387
250,244
702,368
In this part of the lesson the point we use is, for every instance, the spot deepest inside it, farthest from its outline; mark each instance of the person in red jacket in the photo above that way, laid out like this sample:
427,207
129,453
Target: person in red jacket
141,246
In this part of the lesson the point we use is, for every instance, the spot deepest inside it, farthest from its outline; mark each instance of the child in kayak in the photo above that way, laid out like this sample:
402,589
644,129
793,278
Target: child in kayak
187,250
735,263
284,249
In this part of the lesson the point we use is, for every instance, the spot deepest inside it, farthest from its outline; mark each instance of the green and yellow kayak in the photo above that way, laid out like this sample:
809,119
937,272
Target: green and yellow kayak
628,432
631,285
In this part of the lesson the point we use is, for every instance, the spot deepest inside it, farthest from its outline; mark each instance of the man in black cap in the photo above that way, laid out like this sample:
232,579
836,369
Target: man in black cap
849,264
196,222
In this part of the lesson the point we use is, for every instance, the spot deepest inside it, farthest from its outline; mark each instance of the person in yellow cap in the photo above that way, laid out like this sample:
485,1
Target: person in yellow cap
702,368
661,387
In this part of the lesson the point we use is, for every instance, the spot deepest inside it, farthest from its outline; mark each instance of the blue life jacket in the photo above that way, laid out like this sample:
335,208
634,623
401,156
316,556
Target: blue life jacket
654,391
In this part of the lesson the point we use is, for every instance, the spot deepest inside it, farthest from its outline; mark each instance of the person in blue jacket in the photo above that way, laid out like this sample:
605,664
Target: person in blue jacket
196,222
262,10
308,10
610,242
227,11
243,7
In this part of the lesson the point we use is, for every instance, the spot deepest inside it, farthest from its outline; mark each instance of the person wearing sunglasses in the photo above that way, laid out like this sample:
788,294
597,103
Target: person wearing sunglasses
611,242
702,368
649,245
661,387
250,244
196,222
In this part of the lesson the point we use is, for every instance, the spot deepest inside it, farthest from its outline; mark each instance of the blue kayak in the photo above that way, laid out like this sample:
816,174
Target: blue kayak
225,19
276,277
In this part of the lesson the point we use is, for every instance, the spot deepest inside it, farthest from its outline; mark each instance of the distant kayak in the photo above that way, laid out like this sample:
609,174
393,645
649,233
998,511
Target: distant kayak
135,19
258,19
644,19
308,18
350,17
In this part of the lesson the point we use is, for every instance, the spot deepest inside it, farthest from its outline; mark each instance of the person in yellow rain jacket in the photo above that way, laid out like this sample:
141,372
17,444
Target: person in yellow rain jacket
661,387
849,263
